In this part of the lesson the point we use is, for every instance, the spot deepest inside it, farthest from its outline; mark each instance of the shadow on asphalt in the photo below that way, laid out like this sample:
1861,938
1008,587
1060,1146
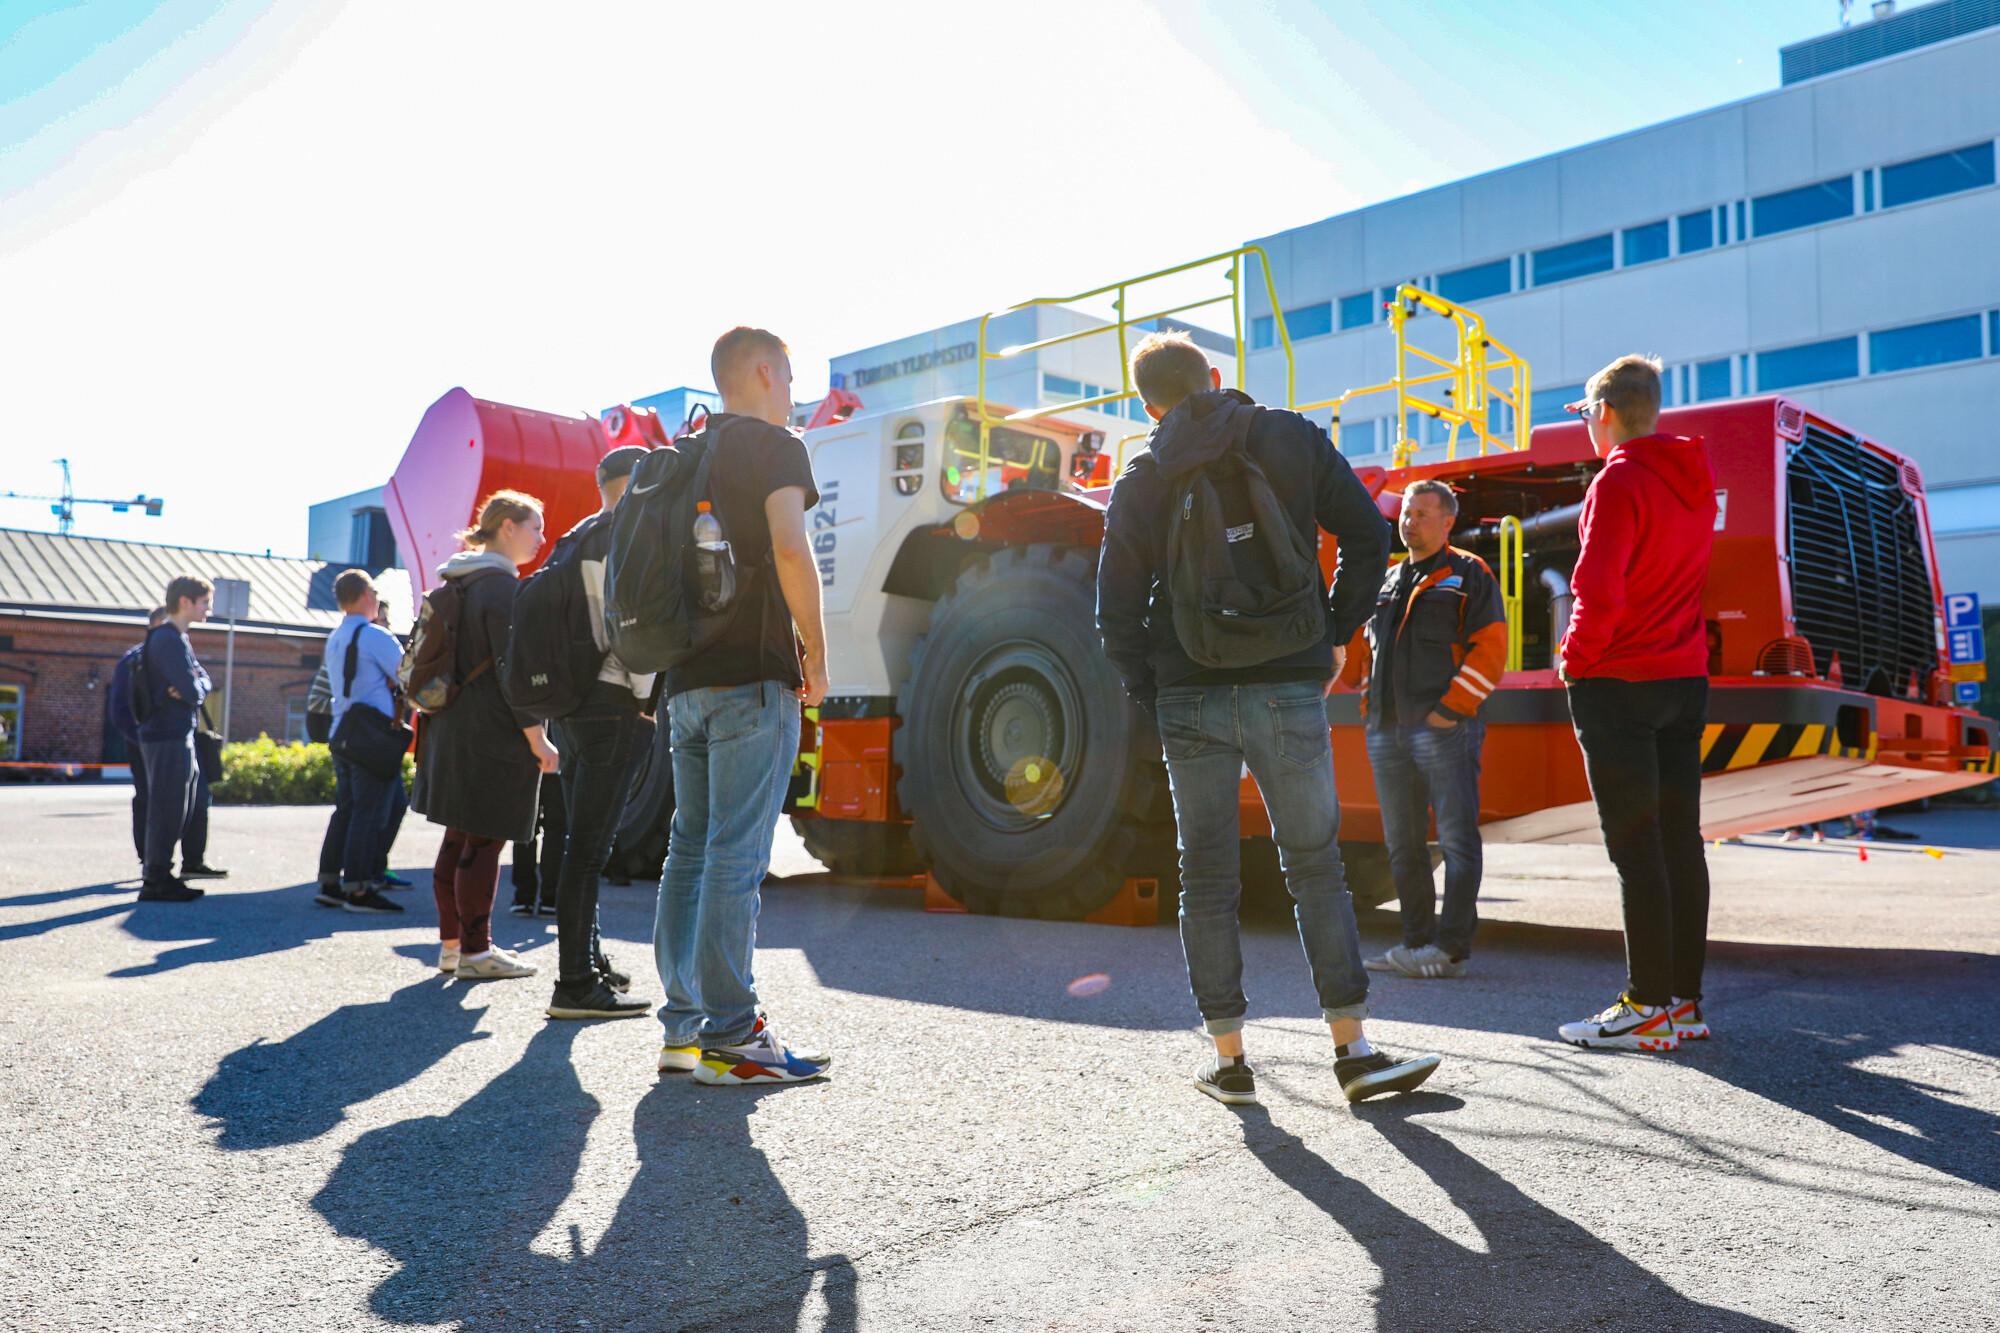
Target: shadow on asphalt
1539,1269
269,1094
459,1200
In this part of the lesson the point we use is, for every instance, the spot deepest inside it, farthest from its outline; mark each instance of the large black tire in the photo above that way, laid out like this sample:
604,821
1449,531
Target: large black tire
850,847
1029,774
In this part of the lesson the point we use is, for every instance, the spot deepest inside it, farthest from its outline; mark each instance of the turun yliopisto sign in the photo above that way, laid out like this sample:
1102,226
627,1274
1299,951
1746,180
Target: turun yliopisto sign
910,365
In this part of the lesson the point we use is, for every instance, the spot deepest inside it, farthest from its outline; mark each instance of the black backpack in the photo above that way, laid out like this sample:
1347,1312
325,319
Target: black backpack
140,684
1243,581
658,613
552,657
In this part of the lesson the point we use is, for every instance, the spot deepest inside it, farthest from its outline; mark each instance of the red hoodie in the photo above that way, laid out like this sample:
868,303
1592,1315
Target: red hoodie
1648,523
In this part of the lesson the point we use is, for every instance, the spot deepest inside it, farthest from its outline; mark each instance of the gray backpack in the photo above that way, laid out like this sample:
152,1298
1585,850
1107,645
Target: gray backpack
1243,581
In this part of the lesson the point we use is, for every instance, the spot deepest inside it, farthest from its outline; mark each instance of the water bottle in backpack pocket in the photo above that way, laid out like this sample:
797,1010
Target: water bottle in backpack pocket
714,565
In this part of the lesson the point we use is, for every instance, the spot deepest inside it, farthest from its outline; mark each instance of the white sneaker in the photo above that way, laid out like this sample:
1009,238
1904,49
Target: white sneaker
1428,963
1625,1026
448,958
499,965
761,1059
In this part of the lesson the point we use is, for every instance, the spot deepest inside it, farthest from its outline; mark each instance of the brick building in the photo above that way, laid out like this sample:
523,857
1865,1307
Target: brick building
71,606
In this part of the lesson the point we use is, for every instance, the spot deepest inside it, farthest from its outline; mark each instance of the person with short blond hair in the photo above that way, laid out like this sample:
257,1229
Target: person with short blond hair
176,687
1635,659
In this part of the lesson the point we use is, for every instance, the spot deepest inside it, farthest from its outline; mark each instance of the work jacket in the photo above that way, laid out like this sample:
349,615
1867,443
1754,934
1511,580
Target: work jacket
1450,642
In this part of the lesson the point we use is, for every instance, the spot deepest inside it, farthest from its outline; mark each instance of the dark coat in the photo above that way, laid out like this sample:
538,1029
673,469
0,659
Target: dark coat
1320,491
475,771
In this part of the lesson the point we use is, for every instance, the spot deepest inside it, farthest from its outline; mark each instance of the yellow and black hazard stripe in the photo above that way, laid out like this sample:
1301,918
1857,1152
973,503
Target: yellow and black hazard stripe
1727,746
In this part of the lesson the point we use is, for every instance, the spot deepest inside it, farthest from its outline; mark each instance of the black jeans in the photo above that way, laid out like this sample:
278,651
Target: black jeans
537,864
356,847
598,746
171,782
194,837
1642,751
137,760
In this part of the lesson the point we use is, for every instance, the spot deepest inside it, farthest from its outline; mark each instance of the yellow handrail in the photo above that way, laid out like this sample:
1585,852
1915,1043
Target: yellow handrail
1120,292
1477,358
1513,576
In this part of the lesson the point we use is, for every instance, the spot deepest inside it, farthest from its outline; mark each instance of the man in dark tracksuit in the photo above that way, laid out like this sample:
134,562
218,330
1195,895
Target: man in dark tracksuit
177,687
120,706
1270,718
1435,649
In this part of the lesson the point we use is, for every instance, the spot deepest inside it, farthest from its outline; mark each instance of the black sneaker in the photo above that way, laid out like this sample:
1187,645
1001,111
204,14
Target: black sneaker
1228,1081
593,999
366,898
612,977
1371,1075
545,909
202,870
168,891
329,893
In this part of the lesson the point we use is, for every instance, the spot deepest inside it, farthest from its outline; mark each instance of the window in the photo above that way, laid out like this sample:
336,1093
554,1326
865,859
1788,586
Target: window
1806,206
1546,405
1136,409
1476,282
1263,332
1357,310
1578,259
1741,231
1930,344
1808,363
1357,438
1389,293
295,720
1993,333
1945,173
1309,321
1061,387
10,722
1868,192
1697,231
1711,380
1645,244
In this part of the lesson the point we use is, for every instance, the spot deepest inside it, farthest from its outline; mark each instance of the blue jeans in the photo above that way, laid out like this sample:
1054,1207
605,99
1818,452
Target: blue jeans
171,780
355,849
734,749
1210,733
1417,770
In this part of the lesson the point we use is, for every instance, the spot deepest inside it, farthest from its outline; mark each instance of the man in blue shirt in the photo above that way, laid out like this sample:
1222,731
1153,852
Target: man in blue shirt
176,686
361,660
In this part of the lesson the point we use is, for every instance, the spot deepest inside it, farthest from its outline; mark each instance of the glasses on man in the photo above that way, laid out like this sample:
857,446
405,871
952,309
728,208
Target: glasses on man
1582,408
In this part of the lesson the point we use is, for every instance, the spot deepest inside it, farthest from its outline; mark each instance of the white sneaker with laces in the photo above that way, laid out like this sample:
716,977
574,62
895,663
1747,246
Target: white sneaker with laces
447,958
1625,1026
761,1059
498,965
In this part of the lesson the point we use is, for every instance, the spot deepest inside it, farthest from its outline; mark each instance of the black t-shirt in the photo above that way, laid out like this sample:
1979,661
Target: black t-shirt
753,459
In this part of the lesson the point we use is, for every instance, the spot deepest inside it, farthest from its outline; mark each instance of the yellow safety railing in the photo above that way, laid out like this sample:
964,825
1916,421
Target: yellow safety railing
1513,575
1469,387
1122,294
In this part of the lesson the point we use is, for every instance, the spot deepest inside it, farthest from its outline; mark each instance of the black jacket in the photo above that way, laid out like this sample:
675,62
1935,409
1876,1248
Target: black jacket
475,770
1134,614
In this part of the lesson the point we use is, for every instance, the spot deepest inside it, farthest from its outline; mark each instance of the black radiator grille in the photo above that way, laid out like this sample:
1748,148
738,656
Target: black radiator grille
1860,586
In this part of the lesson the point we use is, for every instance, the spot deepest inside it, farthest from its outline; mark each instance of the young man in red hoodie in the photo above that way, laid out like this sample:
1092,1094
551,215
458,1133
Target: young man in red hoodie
1635,658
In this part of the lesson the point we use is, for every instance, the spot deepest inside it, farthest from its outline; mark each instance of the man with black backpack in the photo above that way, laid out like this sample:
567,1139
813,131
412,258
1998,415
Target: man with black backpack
169,688
559,665
1211,605
360,660
712,580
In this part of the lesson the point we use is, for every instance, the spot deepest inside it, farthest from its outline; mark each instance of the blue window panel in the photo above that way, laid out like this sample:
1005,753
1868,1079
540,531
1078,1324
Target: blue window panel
1136,409
1808,363
1931,344
1697,231
1807,206
1476,282
1868,192
1645,244
1943,173
1389,295
1357,438
1546,405
1993,333
1357,310
1711,380
1263,332
1061,386
1741,231
1309,321
1578,259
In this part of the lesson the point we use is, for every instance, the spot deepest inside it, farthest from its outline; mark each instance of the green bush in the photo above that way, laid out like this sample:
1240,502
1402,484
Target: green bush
266,772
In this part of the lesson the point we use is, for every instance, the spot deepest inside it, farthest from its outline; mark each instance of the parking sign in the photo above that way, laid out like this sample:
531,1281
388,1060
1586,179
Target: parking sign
1961,610
1967,645
1967,693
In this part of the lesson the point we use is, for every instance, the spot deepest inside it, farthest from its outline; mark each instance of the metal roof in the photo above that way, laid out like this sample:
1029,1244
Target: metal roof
1889,35
121,581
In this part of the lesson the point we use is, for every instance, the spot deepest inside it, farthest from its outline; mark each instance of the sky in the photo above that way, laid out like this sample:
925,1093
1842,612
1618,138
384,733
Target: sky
243,245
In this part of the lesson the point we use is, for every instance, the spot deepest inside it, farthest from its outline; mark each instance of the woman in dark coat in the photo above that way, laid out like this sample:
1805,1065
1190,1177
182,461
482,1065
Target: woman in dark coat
479,762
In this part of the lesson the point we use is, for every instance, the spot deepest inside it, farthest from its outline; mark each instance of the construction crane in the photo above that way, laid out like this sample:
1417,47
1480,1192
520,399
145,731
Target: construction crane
64,506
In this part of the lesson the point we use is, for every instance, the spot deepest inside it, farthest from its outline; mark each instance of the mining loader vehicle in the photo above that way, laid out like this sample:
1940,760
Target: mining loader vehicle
974,729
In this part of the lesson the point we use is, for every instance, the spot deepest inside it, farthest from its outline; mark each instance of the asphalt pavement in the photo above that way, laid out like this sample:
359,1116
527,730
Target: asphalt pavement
252,1113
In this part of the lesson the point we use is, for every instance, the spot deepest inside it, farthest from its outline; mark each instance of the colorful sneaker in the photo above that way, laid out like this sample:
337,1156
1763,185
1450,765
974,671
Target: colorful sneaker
1371,1075
392,880
1230,1082
1689,1024
1625,1026
761,1059
679,1059
809,1054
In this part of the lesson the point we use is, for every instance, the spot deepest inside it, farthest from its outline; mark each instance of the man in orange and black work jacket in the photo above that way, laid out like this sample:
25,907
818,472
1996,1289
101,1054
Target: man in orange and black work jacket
1437,645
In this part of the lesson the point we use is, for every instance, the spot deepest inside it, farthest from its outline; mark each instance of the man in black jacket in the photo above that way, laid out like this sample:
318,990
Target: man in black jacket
1270,718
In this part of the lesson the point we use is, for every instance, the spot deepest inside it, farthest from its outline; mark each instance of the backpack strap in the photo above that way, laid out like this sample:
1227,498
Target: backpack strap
347,669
